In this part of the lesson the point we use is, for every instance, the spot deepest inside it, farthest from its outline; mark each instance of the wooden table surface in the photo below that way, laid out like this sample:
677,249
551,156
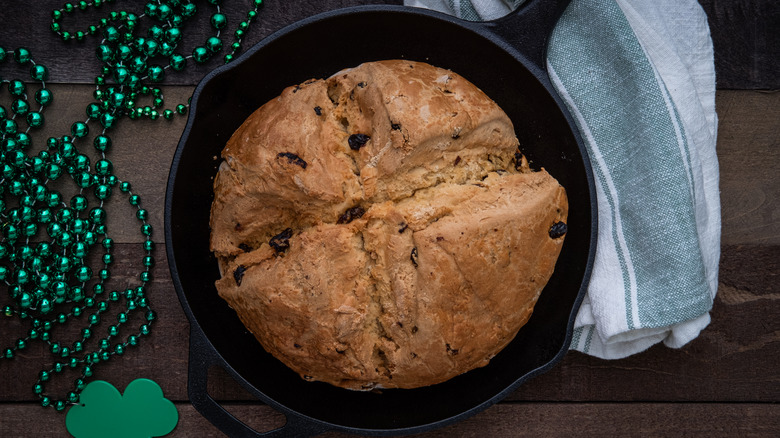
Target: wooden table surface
724,383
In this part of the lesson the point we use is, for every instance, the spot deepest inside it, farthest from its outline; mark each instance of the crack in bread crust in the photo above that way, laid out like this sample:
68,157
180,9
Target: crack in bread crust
344,302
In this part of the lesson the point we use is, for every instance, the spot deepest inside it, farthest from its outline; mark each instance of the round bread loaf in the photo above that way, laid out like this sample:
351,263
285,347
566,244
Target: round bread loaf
381,229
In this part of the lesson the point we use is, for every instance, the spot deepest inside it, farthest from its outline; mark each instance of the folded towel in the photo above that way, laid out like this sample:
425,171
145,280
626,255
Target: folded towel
638,77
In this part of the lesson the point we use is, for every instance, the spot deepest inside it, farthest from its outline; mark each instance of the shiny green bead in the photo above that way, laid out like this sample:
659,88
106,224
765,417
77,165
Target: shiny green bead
166,49
21,344
45,306
79,250
157,102
83,274
218,21
24,141
200,54
104,53
59,405
257,3
93,110
145,330
239,34
102,143
30,229
214,44
100,80
35,119
3,112
39,72
173,35
53,171
251,15
81,162
156,73
164,11
82,5
138,64
124,52
134,199
25,300
177,62
16,87
44,97
79,129
108,243
103,167
146,229
117,99
65,36
235,47
181,109
87,371
78,202
20,107
102,191
97,215
121,75
243,26
8,127
107,120
155,32
111,34
146,276
45,401
168,114
148,261
150,48
94,318
22,55
125,186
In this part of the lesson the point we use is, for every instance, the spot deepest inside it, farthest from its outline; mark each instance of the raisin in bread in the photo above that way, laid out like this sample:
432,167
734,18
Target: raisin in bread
380,228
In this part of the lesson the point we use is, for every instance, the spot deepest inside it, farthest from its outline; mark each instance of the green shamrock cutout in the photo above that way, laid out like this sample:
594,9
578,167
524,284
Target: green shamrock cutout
142,412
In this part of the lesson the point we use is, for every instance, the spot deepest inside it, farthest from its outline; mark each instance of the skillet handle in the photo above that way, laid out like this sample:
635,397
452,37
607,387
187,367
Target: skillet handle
202,357
528,28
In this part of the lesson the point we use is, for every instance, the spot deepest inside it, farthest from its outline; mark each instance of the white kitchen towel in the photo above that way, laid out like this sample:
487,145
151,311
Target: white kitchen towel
639,79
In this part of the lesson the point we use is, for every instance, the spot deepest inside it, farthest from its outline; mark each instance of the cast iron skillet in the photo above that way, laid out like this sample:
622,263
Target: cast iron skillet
505,58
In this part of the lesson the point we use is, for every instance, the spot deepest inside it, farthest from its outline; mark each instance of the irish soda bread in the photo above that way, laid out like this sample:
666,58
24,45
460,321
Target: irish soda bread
381,229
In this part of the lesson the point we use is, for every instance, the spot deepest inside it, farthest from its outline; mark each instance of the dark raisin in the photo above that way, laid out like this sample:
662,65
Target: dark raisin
457,160
413,257
362,84
296,346
318,110
395,126
239,227
403,226
439,238
238,274
414,329
292,159
350,215
244,247
518,160
281,242
357,141
414,355
297,87
557,230
451,350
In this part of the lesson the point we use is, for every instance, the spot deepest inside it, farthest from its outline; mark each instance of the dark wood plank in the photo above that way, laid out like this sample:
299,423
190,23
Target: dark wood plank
745,36
748,133
746,39
504,420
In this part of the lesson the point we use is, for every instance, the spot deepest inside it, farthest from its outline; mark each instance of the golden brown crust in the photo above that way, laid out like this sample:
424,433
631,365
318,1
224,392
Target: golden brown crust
374,231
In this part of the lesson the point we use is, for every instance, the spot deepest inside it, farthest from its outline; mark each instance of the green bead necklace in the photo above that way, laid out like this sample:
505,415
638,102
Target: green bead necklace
48,238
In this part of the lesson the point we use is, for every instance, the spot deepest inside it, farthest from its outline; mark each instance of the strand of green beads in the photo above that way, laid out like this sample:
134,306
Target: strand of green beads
243,27
52,264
